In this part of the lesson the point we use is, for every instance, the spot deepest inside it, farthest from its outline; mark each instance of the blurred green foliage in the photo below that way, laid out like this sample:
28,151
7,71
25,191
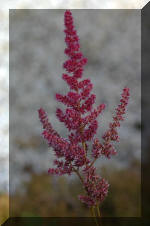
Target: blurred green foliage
124,198
48,196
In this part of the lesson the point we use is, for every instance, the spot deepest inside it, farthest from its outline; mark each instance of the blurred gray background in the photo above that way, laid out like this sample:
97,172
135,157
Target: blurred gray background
110,39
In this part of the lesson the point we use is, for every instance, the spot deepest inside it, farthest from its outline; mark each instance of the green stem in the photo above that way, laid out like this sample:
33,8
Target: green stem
98,210
93,210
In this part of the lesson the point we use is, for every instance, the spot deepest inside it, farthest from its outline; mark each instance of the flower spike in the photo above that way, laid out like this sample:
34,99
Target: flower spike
72,153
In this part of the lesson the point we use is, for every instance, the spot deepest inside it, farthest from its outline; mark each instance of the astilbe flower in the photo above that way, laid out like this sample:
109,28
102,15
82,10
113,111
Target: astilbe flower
72,153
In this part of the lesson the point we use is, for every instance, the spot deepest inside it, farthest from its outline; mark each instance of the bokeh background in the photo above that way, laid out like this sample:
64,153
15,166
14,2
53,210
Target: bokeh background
4,84
36,57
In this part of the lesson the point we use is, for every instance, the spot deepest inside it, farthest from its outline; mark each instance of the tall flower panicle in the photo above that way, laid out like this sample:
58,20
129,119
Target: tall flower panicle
72,153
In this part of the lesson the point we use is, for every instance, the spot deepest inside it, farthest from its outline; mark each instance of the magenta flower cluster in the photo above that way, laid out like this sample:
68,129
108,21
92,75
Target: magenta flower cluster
73,154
